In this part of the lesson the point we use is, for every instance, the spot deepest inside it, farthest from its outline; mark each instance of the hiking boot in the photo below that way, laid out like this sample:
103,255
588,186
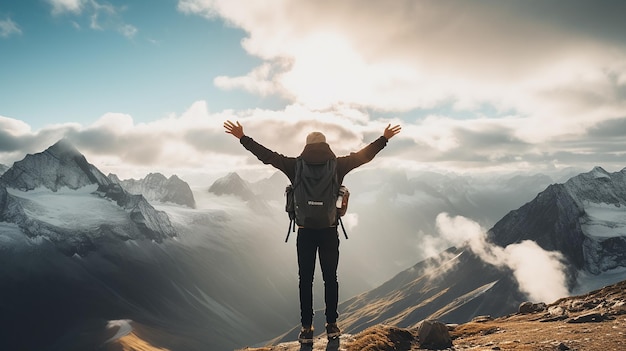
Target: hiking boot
332,331
306,335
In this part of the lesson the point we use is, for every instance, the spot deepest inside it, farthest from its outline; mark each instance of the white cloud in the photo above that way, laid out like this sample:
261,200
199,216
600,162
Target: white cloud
128,30
557,77
195,139
8,28
13,126
539,273
62,6
102,15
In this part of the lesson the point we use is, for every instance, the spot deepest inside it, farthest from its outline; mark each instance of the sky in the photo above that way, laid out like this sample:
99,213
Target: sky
477,86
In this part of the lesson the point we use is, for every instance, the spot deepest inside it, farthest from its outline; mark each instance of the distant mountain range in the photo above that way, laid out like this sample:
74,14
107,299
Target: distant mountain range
583,219
156,187
79,252
82,254
233,184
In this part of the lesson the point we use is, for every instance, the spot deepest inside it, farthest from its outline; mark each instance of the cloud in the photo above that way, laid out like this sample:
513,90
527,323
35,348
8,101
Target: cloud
195,140
9,28
535,60
539,273
63,6
102,15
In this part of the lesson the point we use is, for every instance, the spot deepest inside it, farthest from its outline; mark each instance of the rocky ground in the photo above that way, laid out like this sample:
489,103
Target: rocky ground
590,322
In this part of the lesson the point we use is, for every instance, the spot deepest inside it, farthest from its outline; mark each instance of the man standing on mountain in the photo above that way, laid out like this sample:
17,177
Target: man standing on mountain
310,241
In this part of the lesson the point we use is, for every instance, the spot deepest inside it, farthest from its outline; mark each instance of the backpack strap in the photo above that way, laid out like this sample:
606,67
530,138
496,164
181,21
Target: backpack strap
292,221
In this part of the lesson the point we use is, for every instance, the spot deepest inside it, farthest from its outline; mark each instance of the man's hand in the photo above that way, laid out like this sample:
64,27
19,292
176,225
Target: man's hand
235,129
391,131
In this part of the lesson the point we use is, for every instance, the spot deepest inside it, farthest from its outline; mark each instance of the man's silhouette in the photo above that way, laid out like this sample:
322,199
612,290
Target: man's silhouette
313,241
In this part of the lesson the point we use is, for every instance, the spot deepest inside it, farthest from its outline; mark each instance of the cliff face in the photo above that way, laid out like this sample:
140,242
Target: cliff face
582,218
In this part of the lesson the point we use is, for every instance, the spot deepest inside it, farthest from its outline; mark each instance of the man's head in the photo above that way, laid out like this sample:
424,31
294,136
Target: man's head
315,137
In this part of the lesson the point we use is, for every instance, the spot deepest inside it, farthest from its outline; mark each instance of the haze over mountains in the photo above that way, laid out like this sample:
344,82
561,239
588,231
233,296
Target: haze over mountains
80,249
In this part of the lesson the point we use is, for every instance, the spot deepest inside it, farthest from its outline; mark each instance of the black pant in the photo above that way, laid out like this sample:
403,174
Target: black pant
310,241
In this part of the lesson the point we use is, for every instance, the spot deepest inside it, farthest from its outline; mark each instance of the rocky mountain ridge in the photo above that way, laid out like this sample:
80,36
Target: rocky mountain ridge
157,187
581,218
233,184
27,199
457,285
595,321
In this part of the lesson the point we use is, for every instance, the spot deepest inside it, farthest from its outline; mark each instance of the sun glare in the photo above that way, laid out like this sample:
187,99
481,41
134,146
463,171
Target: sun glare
326,66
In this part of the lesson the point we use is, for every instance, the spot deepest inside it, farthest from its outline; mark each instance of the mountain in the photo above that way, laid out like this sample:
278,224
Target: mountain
80,257
584,219
271,188
592,322
233,184
156,187
27,199
225,278
61,165
3,168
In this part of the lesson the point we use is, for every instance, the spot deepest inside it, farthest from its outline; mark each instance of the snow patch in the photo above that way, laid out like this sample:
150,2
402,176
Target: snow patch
604,221
124,328
78,209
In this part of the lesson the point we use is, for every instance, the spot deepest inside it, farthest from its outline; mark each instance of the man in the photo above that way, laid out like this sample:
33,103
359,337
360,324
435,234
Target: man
310,241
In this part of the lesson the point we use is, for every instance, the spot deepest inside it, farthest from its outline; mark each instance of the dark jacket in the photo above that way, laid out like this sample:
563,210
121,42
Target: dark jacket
314,153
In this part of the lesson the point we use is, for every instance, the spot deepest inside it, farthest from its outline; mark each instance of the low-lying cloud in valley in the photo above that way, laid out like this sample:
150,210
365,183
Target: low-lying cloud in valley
539,273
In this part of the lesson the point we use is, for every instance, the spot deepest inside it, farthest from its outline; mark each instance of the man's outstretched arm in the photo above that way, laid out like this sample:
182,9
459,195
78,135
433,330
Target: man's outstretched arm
366,154
265,155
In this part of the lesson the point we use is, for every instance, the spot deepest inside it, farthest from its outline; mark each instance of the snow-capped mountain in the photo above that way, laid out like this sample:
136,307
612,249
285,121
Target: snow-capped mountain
79,253
233,184
226,279
61,165
156,187
584,218
3,168
58,196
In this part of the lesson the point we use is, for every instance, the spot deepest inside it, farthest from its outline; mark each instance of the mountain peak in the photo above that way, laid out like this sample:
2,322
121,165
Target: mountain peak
60,165
156,187
63,149
599,172
232,184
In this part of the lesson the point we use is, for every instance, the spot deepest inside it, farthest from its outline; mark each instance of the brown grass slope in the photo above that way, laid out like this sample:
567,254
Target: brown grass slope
452,287
591,322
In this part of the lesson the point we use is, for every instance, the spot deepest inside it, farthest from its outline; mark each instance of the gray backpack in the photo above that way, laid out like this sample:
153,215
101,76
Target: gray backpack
316,200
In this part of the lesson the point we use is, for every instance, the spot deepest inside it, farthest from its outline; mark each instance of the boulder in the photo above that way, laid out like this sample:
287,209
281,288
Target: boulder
531,307
433,335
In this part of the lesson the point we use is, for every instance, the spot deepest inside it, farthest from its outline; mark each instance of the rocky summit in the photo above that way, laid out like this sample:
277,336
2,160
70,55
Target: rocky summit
156,187
591,322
